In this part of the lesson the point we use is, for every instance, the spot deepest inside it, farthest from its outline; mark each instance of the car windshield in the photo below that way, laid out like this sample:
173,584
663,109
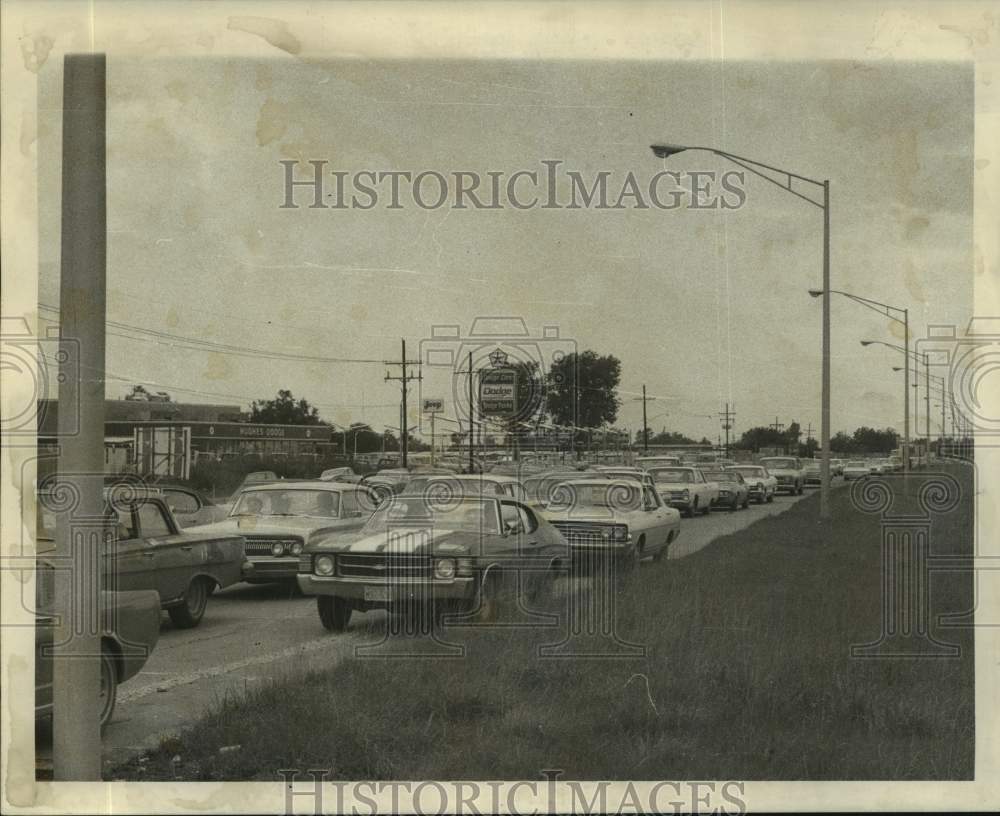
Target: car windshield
749,471
290,502
857,463
725,476
615,496
623,474
778,464
672,476
467,514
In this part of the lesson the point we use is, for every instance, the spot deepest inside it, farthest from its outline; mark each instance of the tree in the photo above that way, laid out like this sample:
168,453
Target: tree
668,438
871,440
843,443
762,437
284,410
582,389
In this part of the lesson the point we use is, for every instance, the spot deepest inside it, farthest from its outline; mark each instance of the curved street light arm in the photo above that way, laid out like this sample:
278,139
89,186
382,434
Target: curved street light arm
883,309
787,187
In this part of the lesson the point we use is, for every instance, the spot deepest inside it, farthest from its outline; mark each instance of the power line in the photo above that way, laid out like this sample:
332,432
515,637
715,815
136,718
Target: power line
107,375
196,344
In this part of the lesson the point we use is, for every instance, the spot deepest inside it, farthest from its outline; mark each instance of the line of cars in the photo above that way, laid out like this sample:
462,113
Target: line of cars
396,540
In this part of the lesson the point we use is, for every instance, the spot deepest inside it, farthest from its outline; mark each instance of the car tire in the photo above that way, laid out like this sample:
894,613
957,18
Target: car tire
489,599
334,613
707,510
191,610
694,508
628,564
801,489
109,686
746,502
661,553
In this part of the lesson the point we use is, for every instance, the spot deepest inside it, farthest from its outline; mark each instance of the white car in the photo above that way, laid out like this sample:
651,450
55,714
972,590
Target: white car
624,515
686,489
762,484
279,520
647,462
856,469
474,484
787,470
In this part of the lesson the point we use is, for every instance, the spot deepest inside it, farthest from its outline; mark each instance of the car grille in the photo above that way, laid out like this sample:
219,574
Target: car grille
583,534
383,566
676,494
261,545
784,479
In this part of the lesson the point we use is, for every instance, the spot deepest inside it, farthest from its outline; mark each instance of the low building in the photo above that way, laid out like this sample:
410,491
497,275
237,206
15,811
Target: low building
164,437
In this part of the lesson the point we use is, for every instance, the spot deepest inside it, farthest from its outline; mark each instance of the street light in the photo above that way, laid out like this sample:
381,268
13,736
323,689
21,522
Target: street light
664,151
892,312
942,392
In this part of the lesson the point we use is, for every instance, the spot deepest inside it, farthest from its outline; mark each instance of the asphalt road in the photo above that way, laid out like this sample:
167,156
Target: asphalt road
252,634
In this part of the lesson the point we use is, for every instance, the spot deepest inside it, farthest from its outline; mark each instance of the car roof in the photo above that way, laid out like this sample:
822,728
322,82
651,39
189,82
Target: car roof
309,484
600,482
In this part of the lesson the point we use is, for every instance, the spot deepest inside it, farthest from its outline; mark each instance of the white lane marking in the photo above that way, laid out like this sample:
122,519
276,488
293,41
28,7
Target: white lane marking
128,695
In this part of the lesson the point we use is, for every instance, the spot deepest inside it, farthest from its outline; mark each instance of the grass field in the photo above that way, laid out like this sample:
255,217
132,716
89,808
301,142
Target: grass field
748,675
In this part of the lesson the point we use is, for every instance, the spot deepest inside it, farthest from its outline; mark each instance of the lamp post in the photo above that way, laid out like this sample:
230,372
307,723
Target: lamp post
942,393
664,151
893,313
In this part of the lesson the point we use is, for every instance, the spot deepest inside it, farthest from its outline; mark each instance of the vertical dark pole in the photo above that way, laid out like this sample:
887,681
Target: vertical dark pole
927,401
645,427
76,662
727,430
906,392
824,478
403,420
472,413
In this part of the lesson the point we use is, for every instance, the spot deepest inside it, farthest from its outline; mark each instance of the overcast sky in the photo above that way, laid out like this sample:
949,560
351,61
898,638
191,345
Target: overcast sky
704,307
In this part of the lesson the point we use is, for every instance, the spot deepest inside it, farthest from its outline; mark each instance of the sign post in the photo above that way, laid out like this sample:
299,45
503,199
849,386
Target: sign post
432,406
498,398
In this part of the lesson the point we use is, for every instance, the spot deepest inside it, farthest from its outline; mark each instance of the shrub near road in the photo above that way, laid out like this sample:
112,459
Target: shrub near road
748,675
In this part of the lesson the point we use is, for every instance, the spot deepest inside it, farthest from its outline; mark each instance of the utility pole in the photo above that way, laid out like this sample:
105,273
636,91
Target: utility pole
76,657
645,425
472,412
727,423
404,379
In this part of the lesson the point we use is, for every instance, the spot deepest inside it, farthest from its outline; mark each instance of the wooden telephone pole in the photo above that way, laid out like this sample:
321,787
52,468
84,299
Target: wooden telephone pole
404,430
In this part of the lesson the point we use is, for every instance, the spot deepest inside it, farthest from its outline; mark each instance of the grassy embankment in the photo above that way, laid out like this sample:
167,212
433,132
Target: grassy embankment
748,668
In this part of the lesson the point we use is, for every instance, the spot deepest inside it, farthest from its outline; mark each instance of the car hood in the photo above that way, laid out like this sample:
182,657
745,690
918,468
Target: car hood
402,540
784,472
273,526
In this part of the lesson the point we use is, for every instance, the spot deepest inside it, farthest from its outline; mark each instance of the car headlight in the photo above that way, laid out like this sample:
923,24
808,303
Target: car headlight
324,565
444,568
277,548
297,548
760,486
724,493
619,532
686,493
